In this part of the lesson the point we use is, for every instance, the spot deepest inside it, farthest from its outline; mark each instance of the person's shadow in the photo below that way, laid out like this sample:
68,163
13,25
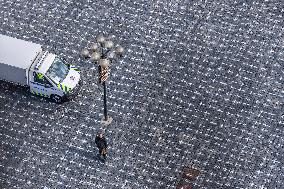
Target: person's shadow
93,155
82,153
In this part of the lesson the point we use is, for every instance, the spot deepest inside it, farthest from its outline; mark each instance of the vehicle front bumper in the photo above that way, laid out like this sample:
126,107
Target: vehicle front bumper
74,92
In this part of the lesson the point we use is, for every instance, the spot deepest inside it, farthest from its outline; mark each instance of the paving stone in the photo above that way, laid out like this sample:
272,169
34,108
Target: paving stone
200,85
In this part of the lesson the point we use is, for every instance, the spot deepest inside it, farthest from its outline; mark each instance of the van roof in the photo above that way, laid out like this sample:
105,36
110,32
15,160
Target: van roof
17,52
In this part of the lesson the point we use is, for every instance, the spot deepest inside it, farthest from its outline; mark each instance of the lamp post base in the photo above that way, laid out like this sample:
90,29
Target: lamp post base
106,122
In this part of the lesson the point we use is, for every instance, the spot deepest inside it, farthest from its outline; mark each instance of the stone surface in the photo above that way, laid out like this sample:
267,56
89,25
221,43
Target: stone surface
201,84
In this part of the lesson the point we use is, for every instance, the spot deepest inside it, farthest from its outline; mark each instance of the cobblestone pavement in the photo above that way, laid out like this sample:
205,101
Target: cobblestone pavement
201,85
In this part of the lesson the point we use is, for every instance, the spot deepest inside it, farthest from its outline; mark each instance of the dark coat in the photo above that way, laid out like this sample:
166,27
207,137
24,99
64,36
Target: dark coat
101,142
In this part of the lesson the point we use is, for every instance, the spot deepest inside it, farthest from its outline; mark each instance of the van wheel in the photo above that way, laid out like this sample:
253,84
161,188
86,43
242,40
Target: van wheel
56,98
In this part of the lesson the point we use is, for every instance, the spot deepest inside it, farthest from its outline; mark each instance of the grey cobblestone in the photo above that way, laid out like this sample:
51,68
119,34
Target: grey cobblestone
200,84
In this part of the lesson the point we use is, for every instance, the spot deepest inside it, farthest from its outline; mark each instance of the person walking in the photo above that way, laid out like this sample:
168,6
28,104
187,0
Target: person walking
101,145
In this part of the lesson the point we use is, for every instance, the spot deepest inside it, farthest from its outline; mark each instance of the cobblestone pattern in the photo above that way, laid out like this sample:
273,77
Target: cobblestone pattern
201,84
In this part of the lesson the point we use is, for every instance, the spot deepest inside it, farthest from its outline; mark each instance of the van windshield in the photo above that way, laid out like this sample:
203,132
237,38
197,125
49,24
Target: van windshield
57,71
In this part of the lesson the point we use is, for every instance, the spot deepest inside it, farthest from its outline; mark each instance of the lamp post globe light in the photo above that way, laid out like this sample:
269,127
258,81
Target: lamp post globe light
103,52
85,53
108,44
101,39
95,46
119,50
95,56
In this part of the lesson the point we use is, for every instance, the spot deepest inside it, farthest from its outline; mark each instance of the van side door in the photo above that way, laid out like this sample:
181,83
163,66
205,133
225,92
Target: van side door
40,85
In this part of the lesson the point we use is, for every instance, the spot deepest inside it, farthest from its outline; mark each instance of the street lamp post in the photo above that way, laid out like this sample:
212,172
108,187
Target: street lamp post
103,52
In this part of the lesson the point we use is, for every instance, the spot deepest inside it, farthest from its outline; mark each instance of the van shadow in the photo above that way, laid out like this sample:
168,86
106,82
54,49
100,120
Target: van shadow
18,91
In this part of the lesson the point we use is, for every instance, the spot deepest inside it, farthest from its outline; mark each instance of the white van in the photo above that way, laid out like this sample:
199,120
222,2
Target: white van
25,63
